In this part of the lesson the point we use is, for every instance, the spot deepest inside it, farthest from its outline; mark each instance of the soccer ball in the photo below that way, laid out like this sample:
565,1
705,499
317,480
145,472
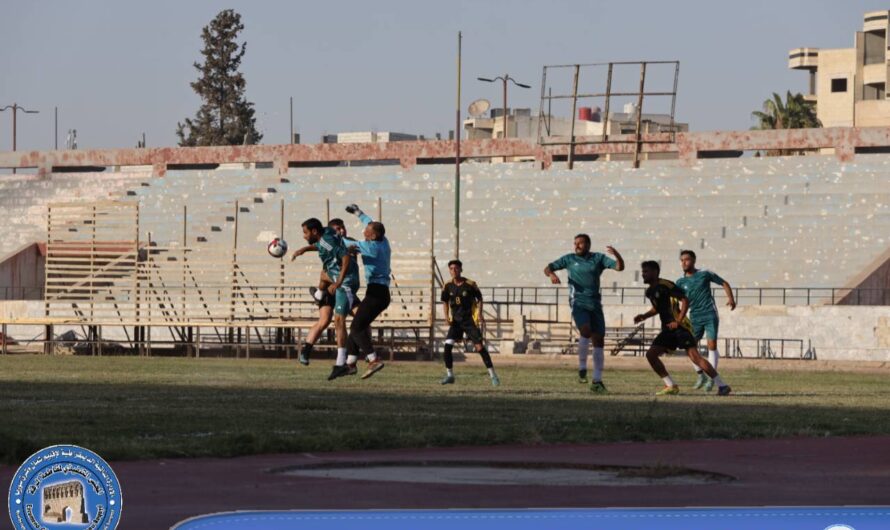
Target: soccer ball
277,248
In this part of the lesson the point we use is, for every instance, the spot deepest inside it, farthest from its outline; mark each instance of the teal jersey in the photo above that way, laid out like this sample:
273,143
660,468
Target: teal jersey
331,251
584,277
698,290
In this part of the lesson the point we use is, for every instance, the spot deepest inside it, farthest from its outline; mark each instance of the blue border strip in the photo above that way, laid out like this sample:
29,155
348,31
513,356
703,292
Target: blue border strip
839,518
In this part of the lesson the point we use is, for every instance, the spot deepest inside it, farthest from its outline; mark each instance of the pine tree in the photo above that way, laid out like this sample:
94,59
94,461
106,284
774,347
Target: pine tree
225,116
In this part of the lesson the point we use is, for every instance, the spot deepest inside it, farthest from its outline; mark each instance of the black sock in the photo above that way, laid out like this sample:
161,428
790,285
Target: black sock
307,349
486,358
449,359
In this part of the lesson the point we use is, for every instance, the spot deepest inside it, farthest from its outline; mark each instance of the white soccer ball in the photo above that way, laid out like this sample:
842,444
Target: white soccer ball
277,248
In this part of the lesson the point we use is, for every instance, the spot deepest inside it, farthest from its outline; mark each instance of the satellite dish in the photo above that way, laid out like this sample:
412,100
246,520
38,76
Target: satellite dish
479,107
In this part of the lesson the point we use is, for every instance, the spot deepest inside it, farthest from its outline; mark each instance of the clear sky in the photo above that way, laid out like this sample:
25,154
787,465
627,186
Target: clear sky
118,68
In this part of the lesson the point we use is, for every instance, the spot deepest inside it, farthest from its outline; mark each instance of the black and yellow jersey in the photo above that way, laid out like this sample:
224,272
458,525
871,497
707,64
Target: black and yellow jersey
463,300
665,297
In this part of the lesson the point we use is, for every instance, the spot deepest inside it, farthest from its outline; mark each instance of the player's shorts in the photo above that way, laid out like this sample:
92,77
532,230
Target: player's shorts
327,300
705,326
457,330
591,317
675,339
344,300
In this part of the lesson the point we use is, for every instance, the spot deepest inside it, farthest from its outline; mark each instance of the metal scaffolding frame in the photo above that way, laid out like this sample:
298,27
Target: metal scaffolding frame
547,97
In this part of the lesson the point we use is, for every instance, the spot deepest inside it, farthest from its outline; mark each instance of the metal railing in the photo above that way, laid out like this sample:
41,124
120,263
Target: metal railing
768,348
559,296
753,296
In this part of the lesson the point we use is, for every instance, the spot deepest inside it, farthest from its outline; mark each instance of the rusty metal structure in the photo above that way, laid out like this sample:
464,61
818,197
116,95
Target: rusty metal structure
689,146
637,139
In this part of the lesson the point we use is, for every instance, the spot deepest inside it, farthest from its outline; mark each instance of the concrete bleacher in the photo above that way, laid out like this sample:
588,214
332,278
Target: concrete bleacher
24,200
786,221
779,222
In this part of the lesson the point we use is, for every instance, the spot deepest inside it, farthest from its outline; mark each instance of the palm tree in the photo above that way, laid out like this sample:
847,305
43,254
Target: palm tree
793,113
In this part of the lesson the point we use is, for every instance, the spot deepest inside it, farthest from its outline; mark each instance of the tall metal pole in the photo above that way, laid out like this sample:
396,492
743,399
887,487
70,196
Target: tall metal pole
457,134
574,110
15,108
505,108
638,145
57,127
291,120
605,118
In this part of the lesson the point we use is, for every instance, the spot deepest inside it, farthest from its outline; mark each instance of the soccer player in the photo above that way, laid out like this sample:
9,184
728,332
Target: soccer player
323,299
376,254
335,258
320,293
669,302
462,300
703,310
584,271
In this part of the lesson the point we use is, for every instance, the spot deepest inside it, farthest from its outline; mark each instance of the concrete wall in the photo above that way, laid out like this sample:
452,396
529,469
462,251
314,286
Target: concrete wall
22,274
874,282
837,333
874,113
835,109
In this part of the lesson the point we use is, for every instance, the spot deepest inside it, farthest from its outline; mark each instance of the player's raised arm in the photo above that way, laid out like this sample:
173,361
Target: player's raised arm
303,250
619,261
355,210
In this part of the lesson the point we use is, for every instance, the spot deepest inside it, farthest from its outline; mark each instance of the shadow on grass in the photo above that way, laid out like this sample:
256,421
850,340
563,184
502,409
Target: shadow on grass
138,421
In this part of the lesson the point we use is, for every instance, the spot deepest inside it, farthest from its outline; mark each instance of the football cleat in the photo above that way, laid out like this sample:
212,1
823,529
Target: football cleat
338,371
597,387
373,368
668,391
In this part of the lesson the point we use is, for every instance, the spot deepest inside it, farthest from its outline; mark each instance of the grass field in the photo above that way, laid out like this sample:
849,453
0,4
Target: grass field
135,408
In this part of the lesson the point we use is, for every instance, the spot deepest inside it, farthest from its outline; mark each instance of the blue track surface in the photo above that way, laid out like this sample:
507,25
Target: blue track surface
867,518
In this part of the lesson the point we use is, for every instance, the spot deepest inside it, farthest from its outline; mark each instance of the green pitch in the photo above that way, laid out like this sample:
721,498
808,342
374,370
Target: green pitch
132,408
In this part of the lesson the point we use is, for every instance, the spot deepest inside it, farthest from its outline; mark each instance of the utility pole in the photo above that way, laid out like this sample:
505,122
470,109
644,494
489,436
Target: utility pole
457,130
504,78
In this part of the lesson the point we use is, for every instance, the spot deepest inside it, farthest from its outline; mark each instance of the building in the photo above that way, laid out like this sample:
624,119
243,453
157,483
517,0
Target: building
849,85
521,124
373,137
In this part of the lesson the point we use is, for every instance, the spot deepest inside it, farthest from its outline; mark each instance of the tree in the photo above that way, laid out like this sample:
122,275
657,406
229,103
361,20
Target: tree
794,113
225,116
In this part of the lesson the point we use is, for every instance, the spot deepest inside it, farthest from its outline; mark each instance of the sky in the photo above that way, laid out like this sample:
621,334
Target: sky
116,69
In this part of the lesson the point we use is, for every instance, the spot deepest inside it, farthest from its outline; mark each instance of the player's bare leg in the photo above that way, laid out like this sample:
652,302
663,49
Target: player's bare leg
654,357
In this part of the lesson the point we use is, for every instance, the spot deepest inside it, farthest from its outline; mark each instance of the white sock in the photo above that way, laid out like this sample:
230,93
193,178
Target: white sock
697,369
583,350
599,359
449,372
371,357
713,358
491,372
341,356
319,294
668,381
719,382
350,359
